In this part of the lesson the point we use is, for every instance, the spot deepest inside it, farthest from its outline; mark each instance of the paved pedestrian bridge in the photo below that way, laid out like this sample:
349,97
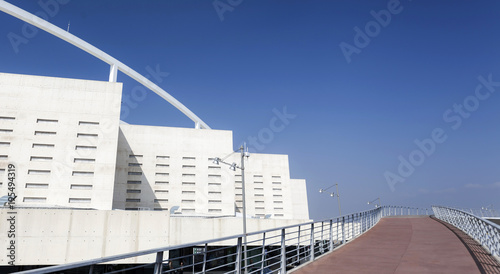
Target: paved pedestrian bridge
407,244
388,239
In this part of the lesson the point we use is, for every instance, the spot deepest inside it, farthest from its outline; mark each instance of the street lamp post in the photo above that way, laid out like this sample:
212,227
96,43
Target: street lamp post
321,190
376,205
233,166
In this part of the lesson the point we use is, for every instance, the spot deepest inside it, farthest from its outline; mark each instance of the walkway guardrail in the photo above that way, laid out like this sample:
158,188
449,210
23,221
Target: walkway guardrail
485,232
270,251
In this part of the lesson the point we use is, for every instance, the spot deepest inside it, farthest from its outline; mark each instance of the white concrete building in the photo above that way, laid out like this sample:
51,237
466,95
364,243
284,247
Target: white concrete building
71,151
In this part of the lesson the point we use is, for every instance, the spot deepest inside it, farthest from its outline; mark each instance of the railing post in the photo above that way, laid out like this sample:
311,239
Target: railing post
283,252
204,270
238,256
322,246
263,251
352,226
343,230
331,235
311,258
298,247
91,269
361,221
159,262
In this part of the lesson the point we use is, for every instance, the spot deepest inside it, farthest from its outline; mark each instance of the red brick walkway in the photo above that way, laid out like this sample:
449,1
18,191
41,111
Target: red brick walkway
399,245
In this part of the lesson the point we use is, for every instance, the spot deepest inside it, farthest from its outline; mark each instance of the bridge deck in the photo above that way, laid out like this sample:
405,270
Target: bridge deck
400,245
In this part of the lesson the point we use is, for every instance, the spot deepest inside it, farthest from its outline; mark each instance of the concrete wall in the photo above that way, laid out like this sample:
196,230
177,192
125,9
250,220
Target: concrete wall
61,134
50,236
300,206
161,167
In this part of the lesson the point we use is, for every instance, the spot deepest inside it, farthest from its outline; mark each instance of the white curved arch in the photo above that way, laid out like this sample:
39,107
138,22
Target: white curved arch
114,63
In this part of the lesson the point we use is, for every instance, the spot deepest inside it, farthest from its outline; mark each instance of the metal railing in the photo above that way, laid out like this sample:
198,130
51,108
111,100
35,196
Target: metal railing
485,232
270,251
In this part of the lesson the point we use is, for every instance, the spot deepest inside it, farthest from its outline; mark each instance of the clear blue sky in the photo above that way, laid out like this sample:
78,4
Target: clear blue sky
407,77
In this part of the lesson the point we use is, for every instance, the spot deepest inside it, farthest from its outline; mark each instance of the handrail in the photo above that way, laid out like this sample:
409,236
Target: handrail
276,249
485,232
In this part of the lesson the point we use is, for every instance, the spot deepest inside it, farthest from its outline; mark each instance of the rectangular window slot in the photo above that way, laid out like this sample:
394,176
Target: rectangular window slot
7,118
46,121
162,174
38,172
188,183
214,210
134,173
189,192
133,200
214,184
80,200
257,176
214,167
278,202
161,182
2,130
162,165
134,182
161,191
278,208
4,144
276,183
134,164
135,156
214,201
43,145
258,182
88,123
277,196
133,191
84,160
34,199
45,133
214,193
276,177
83,173
278,215
161,200
187,201
85,148
88,135
214,176
259,195
259,202
81,187
188,210
162,157
188,166
189,158
40,159
276,189
188,175
259,189
37,185
259,208
3,157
